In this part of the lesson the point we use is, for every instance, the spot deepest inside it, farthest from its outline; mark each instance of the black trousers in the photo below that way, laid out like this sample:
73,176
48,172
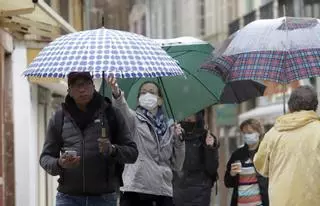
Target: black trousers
139,199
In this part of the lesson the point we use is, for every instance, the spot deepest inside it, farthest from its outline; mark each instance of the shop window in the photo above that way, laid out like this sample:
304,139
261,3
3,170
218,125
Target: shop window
233,26
266,11
249,18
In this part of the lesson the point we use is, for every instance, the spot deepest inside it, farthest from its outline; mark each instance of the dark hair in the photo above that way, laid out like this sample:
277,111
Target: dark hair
151,82
303,98
255,124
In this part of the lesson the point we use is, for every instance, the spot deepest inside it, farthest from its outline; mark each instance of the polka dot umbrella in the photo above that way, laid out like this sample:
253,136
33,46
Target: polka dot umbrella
103,52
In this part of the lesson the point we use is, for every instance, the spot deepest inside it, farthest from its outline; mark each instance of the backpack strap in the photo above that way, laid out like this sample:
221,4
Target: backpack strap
111,123
58,122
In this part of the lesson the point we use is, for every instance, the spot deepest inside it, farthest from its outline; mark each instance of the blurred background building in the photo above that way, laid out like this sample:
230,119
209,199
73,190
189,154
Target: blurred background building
26,26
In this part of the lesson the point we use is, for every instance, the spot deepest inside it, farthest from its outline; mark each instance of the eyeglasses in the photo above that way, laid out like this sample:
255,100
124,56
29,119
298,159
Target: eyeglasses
80,85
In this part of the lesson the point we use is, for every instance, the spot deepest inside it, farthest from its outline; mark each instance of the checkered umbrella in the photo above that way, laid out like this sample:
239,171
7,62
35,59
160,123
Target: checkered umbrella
281,50
112,52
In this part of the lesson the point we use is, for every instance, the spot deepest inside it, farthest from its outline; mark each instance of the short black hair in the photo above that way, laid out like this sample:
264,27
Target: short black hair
303,98
74,76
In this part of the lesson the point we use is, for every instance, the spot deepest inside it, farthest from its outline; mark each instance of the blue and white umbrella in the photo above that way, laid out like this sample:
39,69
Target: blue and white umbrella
112,52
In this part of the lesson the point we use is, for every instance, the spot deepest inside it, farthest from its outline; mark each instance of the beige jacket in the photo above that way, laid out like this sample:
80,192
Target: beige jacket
289,155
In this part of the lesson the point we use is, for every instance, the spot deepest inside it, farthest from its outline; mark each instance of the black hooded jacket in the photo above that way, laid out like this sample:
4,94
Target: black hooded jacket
70,128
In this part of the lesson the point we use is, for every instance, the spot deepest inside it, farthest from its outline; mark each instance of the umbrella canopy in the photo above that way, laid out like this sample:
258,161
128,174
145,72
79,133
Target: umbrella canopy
112,52
281,50
239,91
192,93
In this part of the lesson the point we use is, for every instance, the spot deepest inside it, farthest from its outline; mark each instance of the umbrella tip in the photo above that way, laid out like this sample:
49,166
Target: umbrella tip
102,21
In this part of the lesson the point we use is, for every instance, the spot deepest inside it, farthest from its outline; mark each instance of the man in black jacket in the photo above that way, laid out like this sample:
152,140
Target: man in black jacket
88,164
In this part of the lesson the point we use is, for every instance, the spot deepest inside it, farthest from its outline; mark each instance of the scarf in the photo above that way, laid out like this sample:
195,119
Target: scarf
83,118
159,121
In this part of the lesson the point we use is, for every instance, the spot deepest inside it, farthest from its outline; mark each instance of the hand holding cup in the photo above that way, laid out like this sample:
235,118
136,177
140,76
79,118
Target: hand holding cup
235,168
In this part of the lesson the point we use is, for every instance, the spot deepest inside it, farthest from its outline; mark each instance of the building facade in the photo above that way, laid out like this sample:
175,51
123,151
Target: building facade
222,20
26,105
169,18
111,14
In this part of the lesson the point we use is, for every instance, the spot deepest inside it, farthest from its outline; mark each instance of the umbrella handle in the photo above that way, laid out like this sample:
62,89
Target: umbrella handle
103,129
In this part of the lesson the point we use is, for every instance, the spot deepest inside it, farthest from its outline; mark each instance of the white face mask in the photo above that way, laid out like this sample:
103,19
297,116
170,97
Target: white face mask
251,139
148,101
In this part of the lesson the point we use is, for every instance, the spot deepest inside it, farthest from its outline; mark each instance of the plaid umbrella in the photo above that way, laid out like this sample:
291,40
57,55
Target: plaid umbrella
112,52
281,50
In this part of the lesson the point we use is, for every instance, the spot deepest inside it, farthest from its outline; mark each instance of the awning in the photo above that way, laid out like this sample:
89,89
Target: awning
265,114
26,20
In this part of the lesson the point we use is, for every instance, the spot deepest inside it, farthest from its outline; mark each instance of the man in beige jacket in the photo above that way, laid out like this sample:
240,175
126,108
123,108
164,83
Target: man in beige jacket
289,154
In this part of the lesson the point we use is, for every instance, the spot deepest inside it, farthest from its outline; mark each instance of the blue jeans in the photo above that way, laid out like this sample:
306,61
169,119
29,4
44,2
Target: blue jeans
103,200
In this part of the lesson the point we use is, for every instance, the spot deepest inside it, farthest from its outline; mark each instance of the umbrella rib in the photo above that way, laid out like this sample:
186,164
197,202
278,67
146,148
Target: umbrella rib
133,83
201,83
167,48
167,98
185,52
233,91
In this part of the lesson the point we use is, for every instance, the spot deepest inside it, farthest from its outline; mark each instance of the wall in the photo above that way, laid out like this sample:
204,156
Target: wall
25,127
216,21
7,184
135,19
189,21
1,120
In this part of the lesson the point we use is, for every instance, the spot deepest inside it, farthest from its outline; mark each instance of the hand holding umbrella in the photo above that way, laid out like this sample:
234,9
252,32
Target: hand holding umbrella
178,131
112,82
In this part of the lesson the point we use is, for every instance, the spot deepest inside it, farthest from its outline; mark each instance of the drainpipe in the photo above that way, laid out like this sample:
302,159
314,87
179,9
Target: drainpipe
86,8
318,88
53,14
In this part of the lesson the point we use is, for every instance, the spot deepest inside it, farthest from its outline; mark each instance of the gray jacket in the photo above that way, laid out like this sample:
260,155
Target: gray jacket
96,173
152,172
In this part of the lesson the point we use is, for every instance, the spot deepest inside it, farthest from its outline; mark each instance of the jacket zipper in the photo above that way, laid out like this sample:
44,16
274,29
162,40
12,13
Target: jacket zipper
152,130
83,154
83,175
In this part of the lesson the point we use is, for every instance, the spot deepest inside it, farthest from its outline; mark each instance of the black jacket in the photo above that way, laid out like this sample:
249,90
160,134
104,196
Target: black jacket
96,173
243,155
192,186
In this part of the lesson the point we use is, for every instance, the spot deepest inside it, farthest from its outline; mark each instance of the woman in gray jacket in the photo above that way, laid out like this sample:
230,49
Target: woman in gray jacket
148,181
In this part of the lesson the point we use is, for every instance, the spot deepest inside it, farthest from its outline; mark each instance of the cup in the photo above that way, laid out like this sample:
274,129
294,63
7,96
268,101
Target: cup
238,165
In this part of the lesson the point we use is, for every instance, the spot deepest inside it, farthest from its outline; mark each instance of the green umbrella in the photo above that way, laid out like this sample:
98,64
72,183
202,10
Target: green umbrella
184,95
